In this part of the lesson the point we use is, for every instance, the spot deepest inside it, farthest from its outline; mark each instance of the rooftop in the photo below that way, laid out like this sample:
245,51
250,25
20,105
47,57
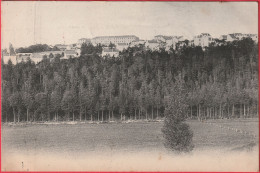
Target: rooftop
115,36
158,36
224,37
152,41
122,44
202,35
60,45
71,52
84,39
233,36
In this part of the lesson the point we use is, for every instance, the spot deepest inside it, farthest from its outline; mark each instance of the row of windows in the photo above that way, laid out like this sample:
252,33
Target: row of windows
132,38
208,39
116,41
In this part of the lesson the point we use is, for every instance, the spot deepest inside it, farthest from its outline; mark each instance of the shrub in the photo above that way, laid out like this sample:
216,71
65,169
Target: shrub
177,134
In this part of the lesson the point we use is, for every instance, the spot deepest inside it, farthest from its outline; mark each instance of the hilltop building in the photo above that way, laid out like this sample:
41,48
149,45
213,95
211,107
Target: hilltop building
83,40
137,43
122,46
61,47
203,40
170,41
238,36
223,37
162,38
71,47
110,52
253,36
34,57
6,58
70,54
125,41
106,40
152,44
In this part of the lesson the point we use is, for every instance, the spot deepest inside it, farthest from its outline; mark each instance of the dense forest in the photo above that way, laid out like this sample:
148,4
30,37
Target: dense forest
219,82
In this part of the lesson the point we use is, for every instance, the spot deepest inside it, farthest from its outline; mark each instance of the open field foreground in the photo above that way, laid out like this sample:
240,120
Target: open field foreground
220,145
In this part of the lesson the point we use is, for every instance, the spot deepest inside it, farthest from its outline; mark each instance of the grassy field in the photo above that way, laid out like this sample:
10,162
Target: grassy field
75,140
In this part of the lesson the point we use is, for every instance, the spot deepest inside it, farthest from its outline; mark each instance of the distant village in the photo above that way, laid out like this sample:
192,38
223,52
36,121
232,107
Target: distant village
119,43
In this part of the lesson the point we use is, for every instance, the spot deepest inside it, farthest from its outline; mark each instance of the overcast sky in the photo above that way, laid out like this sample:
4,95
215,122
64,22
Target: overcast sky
27,23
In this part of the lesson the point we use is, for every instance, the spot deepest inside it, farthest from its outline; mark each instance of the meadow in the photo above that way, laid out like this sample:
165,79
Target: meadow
75,142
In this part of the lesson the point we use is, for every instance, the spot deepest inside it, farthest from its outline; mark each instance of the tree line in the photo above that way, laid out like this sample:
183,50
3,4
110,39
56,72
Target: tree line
220,82
37,48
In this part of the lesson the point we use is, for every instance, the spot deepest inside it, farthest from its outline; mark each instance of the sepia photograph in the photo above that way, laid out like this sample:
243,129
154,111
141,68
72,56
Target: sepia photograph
129,86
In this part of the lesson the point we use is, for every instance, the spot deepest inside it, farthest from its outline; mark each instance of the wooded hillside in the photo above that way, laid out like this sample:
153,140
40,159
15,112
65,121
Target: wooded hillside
220,82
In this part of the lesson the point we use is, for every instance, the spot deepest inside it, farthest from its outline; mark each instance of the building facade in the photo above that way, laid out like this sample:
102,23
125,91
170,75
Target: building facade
162,38
172,42
122,46
253,36
62,47
110,52
203,40
70,54
223,37
238,36
137,43
152,44
83,40
106,40
13,59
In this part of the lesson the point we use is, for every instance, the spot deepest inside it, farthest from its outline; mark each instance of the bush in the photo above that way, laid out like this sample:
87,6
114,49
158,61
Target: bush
177,134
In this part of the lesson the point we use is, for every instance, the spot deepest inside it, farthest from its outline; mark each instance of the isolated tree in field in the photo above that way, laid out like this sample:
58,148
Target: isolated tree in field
177,134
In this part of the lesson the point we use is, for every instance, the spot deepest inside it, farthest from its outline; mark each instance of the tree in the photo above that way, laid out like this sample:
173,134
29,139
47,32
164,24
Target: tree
5,94
111,45
34,48
11,50
28,101
91,99
68,103
220,80
56,103
15,103
41,105
177,134
82,100
112,106
158,101
51,56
